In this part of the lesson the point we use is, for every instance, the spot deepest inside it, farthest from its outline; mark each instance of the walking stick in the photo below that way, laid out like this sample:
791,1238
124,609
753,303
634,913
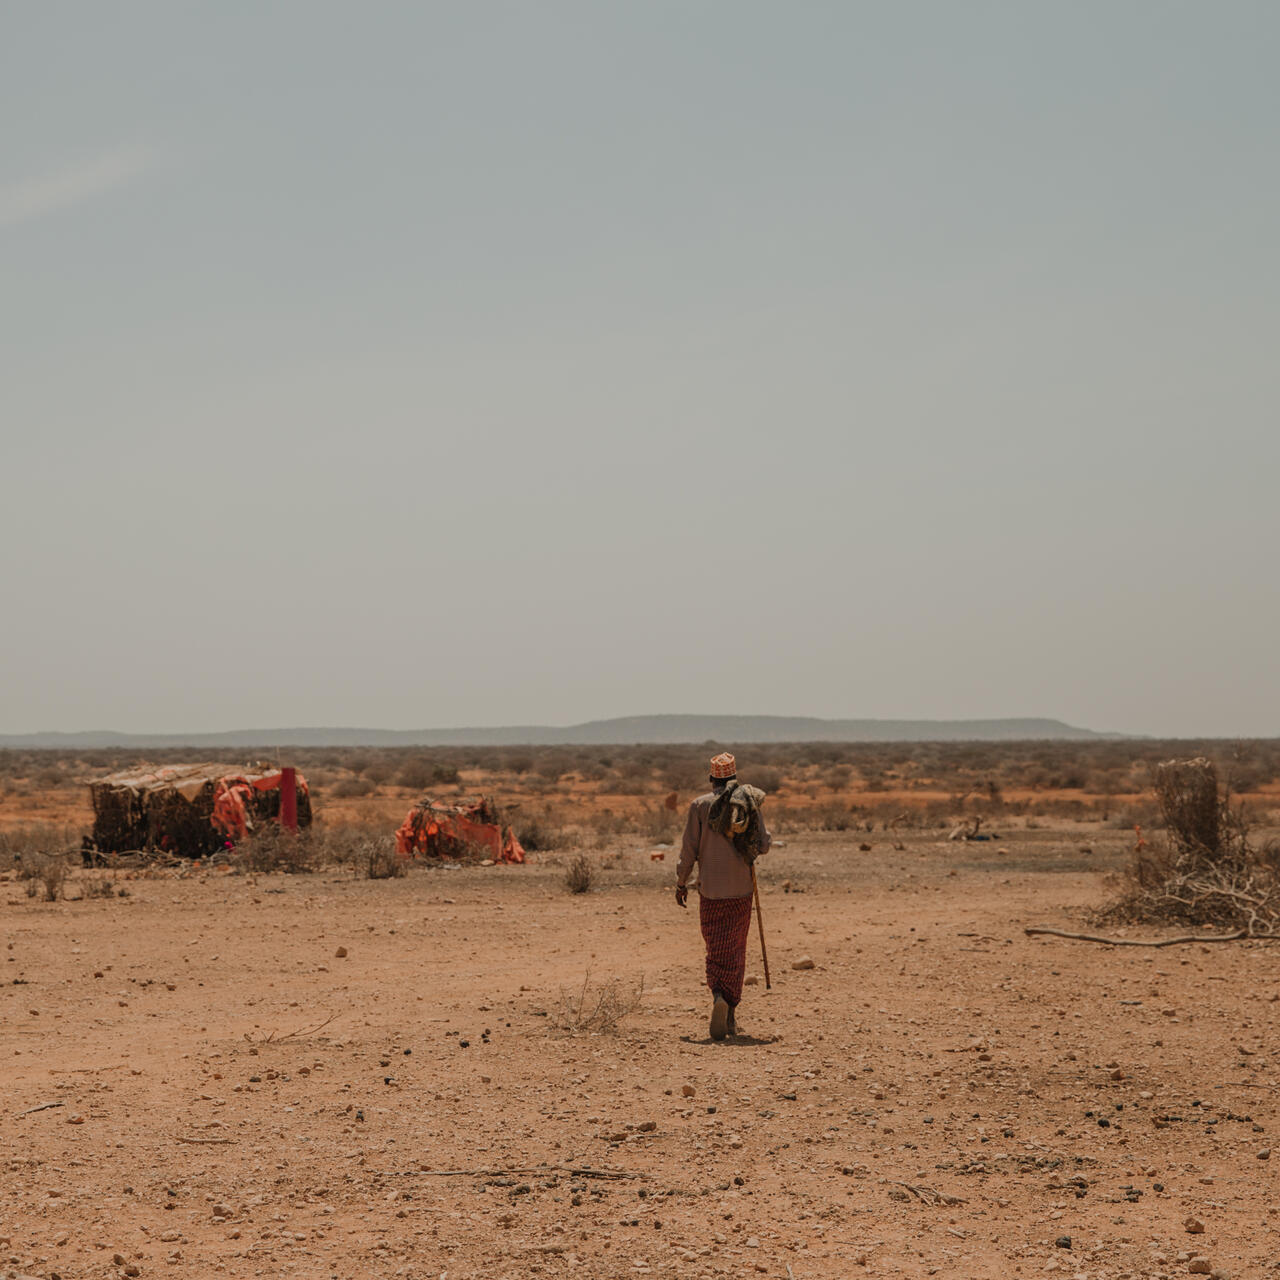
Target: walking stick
764,952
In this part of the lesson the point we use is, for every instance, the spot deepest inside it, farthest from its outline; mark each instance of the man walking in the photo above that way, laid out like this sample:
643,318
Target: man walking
724,834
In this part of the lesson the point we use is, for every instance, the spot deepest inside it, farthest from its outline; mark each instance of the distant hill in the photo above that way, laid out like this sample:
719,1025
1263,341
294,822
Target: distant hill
627,730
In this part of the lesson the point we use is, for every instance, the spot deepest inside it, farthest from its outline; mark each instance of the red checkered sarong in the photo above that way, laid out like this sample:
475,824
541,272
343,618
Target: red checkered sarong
725,925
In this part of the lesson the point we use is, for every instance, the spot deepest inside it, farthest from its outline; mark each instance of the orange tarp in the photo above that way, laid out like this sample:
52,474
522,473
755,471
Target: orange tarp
230,800
439,830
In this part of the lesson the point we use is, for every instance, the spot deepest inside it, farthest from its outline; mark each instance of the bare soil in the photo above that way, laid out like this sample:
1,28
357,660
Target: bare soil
938,1095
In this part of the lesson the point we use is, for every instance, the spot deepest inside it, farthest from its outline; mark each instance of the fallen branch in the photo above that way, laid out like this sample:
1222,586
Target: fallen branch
205,1142
1140,942
272,1038
581,1171
44,1106
929,1195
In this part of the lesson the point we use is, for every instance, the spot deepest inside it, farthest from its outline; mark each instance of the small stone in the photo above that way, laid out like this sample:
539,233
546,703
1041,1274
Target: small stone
118,1259
688,1090
803,963
341,953
1265,1153
1117,1074
1062,1242
75,1118
1200,1267
646,1126
1193,1226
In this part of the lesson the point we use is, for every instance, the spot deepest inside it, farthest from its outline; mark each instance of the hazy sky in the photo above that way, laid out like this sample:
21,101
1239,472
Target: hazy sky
425,364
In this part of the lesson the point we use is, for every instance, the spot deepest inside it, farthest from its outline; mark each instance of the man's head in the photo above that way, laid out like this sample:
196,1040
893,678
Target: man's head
724,769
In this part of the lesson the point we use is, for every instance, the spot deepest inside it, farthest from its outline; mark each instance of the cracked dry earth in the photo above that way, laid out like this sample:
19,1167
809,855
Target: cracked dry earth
938,1095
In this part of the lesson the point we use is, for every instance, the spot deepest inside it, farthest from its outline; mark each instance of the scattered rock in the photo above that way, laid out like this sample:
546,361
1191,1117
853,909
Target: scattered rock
341,953
1265,1153
1200,1267
803,963
75,1118
1062,1242
688,1090
1193,1226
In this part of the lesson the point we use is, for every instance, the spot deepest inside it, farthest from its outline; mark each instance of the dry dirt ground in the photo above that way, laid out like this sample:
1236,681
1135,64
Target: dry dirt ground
938,1095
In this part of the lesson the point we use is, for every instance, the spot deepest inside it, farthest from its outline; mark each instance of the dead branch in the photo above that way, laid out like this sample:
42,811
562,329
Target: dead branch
298,1033
205,1142
581,1171
44,1106
930,1196
1142,942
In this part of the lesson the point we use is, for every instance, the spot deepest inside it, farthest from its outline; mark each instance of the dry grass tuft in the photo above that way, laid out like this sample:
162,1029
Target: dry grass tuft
381,861
579,874
47,871
593,1011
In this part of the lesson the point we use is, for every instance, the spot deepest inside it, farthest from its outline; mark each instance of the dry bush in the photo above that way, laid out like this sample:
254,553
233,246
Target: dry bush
271,848
34,840
382,861
599,1010
1205,871
540,830
47,871
770,780
579,874
353,788
98,887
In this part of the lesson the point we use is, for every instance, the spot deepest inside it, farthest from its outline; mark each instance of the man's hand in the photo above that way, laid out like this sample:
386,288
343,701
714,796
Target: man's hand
682,895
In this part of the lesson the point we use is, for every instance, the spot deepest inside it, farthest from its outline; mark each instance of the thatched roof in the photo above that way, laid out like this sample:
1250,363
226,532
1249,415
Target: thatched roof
188,780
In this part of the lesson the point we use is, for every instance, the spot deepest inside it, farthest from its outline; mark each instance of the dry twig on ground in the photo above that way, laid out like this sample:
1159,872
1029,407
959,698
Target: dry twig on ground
581,1171
928,1195
44,1106
1033,930
299,1033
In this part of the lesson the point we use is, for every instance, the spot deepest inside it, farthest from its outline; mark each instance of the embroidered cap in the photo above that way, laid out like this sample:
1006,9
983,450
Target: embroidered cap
724,766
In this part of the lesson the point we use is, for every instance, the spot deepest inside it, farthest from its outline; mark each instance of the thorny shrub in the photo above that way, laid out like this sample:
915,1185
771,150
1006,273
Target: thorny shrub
579,874
598,1010
46,871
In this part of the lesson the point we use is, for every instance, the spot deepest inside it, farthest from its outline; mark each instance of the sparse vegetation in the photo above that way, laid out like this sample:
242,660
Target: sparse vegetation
381,861
45,872
579,874
1203,870
598,1010
271,848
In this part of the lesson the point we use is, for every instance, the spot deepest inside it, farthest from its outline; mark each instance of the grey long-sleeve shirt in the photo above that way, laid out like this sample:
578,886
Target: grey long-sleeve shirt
723,873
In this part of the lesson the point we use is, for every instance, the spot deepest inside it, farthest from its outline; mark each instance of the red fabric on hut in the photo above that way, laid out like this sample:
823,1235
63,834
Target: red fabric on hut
451,831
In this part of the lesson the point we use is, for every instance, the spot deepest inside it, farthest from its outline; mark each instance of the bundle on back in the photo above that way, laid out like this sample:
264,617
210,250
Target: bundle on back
735,814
